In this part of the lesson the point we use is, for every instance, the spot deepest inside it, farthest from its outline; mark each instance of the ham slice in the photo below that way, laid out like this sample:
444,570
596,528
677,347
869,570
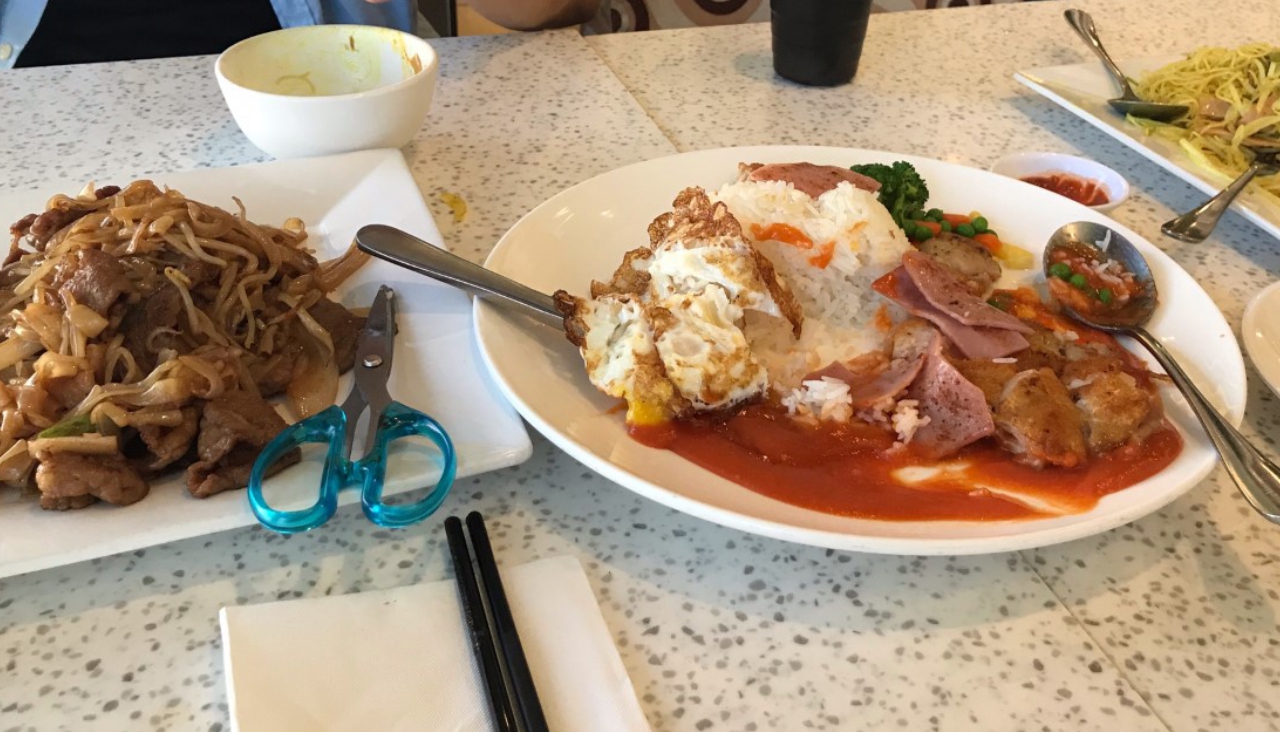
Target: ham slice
813,179
957,410
876,376
973,342
940,286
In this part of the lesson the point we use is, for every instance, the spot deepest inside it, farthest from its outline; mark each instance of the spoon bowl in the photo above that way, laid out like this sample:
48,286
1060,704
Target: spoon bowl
1128,102
1257,477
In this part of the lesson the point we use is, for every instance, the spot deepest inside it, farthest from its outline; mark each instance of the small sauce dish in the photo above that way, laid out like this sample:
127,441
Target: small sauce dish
326,89
1074,177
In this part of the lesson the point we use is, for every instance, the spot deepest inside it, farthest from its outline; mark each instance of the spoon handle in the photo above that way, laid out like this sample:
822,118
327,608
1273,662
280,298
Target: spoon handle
1082,23
1197,224
1256,476
408,251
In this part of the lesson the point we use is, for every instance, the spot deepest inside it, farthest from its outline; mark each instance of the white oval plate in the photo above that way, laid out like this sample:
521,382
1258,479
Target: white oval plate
582,233
1260,331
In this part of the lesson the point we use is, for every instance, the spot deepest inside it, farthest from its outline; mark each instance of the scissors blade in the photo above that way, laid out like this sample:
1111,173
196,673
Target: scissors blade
374,350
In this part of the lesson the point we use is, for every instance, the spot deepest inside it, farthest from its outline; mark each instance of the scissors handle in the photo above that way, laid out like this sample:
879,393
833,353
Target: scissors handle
397,421
329,427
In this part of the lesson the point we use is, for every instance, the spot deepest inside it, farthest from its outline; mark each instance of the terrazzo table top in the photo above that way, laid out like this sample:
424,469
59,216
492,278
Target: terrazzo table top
1169,623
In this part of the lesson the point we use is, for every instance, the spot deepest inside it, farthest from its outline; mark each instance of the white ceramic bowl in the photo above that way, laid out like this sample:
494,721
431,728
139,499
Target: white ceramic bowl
325,89
1023,164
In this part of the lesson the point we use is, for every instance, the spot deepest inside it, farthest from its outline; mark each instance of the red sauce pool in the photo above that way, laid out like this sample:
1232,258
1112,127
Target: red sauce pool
845,470
1081,190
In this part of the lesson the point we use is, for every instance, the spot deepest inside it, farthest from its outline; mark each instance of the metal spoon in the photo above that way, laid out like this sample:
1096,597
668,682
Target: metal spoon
1128,102
1256,476
1197,224
408,251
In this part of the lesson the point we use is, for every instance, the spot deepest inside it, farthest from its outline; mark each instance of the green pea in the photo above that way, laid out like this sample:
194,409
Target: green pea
1104,295
923,233
980,224
965,230
946,225
1078,281
1061,270
935,214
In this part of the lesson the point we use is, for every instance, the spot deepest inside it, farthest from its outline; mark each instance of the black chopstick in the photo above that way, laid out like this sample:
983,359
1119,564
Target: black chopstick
494,638
482,642
504,626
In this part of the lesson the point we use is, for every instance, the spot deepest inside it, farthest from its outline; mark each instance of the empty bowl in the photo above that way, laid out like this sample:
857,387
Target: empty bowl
1069,173
325,89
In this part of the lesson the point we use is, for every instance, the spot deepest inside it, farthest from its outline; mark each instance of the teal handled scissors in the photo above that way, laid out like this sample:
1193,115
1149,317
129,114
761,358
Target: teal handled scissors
336,426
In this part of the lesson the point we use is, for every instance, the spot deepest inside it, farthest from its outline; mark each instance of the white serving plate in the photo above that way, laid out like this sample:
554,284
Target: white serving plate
1260,331
436,367
582,233
1083,89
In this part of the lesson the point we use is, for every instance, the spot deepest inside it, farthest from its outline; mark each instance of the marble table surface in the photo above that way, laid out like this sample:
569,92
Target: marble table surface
1167,624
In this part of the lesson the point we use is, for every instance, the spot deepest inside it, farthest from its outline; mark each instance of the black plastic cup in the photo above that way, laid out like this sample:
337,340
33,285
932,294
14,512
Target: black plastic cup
818,42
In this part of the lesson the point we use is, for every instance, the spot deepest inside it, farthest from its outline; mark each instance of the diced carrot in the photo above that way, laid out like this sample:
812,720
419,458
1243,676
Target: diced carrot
824,255
933,226
989,240
883,320
956,219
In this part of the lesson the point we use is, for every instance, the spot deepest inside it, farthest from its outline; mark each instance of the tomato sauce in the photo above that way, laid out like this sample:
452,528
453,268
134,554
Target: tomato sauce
850,470
1080,190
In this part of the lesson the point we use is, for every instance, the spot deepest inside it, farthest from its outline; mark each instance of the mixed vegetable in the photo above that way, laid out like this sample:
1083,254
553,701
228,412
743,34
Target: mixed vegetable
904,193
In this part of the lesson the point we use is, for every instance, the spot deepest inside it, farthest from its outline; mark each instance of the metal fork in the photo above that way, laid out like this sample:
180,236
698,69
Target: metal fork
1197,224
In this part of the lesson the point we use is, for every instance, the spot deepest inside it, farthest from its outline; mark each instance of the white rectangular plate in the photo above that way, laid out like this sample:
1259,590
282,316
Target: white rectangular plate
436,367
1083,90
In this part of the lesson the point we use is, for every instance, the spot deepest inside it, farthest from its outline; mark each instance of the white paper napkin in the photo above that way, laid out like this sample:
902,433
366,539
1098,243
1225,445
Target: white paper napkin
400,660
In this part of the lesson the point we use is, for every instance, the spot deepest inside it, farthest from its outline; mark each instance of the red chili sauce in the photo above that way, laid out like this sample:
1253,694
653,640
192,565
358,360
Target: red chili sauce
1081,190
848,469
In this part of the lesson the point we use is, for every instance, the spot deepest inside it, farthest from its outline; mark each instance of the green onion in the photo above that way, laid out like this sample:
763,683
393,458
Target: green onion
69,427
1061,270
1104,295
980,224
1078,281
966,230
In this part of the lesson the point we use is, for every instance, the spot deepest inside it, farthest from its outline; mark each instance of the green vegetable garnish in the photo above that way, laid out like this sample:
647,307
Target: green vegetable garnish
69,427
946,225
1104,295
980,224
965,230
1078,281
998,304
1061,270
902,190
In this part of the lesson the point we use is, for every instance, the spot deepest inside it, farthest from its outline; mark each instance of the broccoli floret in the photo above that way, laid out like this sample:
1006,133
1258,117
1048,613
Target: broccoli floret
902,190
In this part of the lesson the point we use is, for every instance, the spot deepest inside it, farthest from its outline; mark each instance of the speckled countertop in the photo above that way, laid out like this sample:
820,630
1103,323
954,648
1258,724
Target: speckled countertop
1170,623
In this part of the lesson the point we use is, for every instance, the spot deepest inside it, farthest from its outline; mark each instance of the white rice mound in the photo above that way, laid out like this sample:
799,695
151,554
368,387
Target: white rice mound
838,302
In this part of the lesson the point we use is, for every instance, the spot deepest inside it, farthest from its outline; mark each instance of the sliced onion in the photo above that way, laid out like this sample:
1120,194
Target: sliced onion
55,366
87,320
15,463
13,350
314,385
88,444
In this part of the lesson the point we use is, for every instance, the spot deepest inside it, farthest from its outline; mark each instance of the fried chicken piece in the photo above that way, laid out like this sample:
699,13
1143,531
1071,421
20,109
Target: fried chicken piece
1037,421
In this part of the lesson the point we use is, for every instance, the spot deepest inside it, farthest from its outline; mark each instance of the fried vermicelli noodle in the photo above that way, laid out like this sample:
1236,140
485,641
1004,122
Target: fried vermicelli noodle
1234,98
126,311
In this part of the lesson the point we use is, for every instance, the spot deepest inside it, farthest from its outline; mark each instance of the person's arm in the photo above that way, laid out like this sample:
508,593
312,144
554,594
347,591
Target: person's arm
528,15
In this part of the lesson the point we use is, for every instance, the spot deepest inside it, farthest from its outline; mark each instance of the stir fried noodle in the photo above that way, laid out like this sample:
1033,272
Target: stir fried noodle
1233,95
127,311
